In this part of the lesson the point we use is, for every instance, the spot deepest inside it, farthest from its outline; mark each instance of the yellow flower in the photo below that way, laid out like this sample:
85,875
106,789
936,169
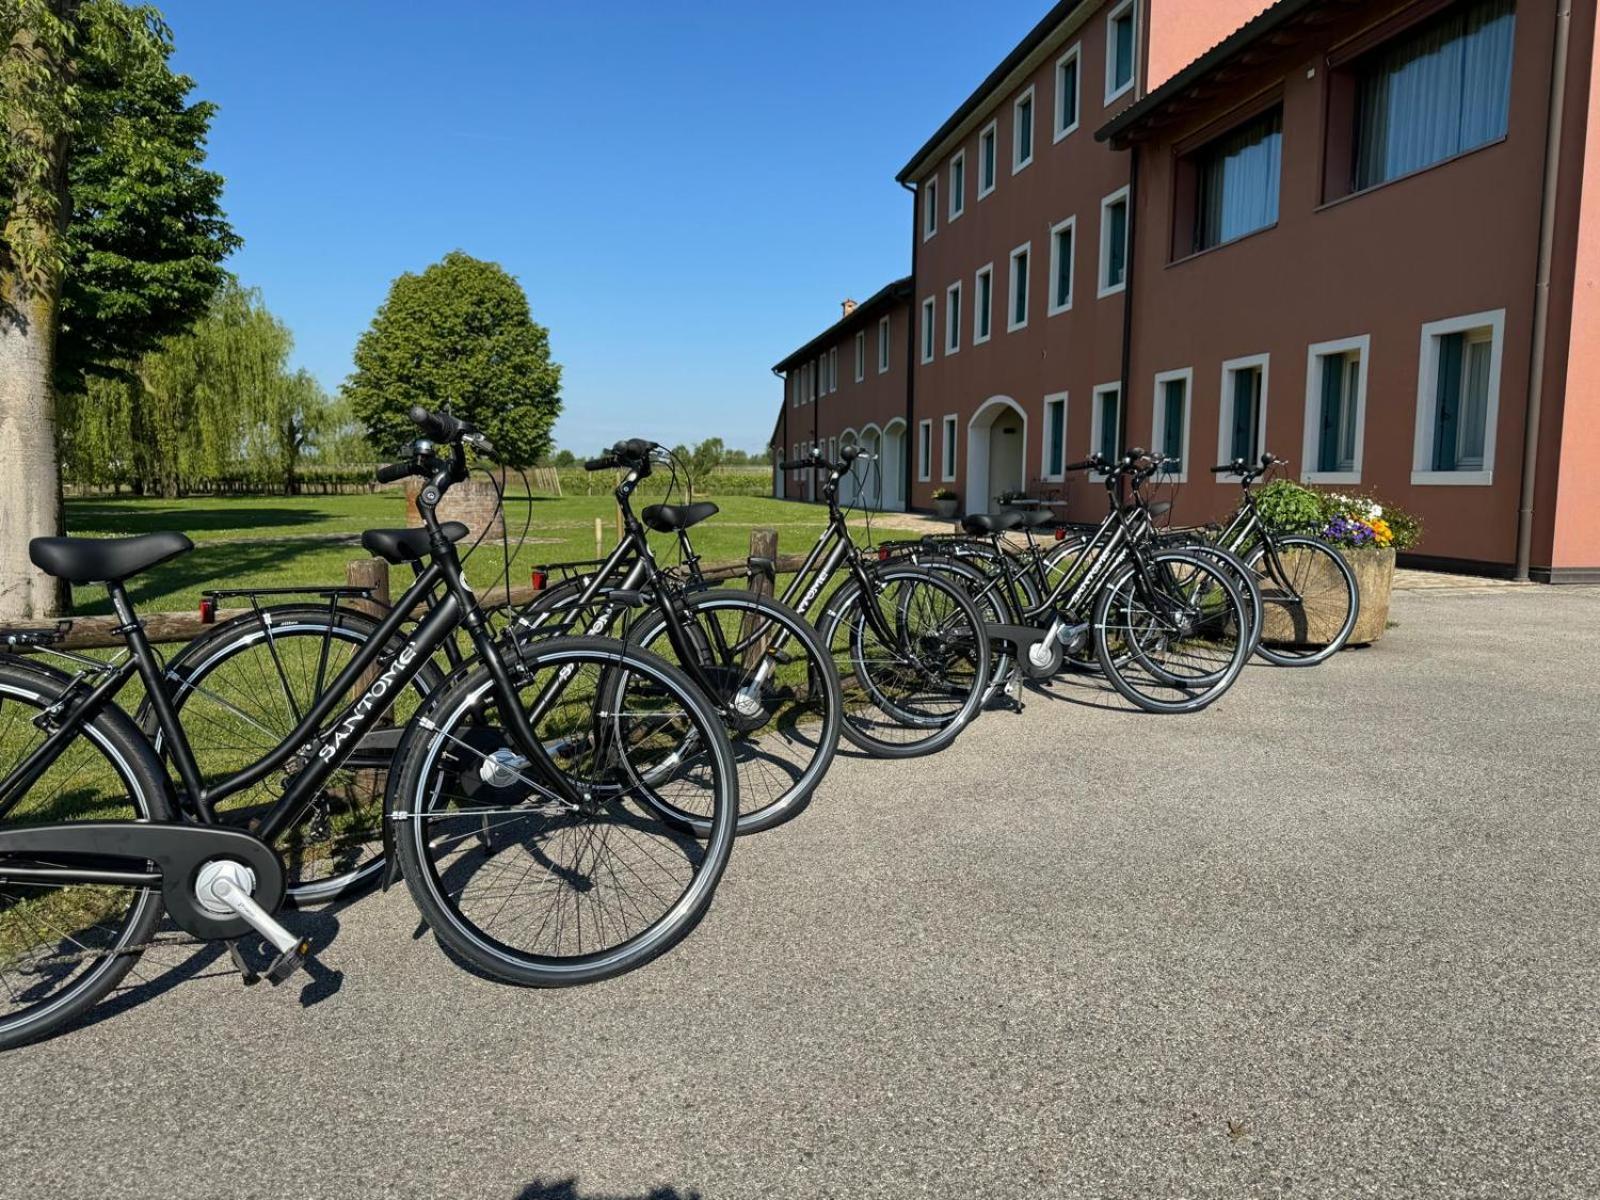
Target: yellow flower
1381,533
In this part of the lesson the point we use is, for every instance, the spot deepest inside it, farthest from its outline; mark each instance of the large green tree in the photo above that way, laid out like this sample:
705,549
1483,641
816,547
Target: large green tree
459,336
110,233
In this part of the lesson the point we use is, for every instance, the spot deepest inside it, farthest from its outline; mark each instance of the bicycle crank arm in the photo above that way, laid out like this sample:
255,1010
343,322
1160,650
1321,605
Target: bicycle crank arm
80,851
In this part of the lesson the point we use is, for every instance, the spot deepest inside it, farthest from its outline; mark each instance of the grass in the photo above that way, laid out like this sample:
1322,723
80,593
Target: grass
293,541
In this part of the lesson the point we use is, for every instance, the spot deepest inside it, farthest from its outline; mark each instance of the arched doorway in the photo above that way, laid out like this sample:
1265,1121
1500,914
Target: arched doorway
997,453
893,462
871,472
847,482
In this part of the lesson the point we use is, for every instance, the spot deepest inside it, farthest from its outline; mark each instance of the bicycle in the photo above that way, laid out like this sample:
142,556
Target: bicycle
1309,595
1169,628
767,671
96,840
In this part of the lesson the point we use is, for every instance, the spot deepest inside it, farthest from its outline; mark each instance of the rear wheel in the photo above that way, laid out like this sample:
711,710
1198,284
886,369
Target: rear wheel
64,946
240,692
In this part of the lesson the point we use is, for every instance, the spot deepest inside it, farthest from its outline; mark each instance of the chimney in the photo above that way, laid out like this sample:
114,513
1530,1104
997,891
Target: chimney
849,307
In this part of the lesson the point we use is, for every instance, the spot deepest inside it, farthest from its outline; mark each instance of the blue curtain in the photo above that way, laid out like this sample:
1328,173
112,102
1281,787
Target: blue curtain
1239,182
1435,93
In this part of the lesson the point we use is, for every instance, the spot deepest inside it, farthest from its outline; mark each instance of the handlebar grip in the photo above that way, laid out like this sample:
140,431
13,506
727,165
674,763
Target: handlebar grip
1087,464
391,472
1232,468
608,463
440,426
795,466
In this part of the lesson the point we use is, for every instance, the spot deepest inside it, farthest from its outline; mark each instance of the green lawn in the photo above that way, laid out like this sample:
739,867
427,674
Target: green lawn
278,541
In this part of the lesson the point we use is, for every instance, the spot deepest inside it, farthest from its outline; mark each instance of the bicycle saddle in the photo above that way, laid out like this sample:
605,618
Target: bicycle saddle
406,545
980,523
1038,518
669,518
104,560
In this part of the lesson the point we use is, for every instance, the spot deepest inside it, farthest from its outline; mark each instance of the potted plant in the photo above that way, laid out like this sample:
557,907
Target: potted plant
944,502
1367,533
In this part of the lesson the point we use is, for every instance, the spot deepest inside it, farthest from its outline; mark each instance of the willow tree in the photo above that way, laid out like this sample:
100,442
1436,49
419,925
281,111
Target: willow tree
111,233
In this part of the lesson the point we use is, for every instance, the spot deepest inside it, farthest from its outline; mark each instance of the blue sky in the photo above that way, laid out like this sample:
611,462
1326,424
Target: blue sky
685,191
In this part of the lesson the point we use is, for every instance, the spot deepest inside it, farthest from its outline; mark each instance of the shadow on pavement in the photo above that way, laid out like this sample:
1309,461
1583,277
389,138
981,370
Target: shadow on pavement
567,1189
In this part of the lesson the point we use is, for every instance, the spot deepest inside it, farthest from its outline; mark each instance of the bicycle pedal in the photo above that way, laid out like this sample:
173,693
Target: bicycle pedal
248,974
290,961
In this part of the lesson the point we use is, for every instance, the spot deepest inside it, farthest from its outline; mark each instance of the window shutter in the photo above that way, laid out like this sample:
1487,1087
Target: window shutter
1448,404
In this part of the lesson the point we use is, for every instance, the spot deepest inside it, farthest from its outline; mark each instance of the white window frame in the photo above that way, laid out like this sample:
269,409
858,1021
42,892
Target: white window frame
1312,442
928,331
949,461
1112,89
1095,423
1225,408
952,329
1044,438
861,355
1072,283
957,202
883,345
1012,324
833,370
1106,202
990,133
930,207
925,450
979,337
1075,54
1158,420
1422,472
1018,163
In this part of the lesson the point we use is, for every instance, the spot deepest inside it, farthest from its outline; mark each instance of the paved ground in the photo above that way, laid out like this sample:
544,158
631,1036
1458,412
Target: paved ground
1336,937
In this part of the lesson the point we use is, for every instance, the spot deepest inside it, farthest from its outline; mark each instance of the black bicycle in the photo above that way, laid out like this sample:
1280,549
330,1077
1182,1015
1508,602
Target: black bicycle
766,670
524,812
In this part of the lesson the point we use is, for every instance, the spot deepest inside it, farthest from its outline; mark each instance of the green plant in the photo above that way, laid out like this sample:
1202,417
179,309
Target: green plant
943,494
1289,508
1342,519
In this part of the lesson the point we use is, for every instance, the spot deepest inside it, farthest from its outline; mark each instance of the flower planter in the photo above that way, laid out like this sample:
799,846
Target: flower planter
945,508
1374,572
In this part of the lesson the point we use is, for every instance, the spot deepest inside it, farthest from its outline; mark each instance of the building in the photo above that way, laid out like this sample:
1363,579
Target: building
1349,231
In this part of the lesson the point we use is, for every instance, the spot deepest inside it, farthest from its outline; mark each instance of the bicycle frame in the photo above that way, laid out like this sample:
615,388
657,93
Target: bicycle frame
1245,529
321,750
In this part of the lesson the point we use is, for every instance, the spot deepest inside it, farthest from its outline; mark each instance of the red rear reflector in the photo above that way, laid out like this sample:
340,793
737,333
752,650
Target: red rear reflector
539,579
883,554
208,610
1061,535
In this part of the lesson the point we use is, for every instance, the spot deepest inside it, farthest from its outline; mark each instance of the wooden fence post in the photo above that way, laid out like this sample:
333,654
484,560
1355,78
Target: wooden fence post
599,538
763,544
369,573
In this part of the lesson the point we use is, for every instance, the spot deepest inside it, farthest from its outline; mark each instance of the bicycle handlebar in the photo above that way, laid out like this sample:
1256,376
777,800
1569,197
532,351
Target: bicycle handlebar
632,454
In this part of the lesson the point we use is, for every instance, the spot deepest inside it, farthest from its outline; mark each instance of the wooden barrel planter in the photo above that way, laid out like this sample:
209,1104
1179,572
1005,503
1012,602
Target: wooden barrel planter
1374,572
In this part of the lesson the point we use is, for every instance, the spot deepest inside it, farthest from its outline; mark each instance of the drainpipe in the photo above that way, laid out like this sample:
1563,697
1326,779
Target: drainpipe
1127,300
1541,295
913,443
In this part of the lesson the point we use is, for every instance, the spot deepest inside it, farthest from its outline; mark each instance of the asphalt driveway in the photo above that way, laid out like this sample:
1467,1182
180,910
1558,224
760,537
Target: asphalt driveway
1335,937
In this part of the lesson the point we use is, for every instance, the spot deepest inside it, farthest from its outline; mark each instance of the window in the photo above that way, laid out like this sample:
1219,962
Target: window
1243,423
947,467
930,208
1336,410
1114,242
861,352
1022,131
1120,49
927,330
924,448
1054,466
1458,399
1170,435
1438,90
988,158
819,378
1231,185
1017,310
1066,93
983,304
1105,433
833,369
883,344
952,318
958,185
1062,238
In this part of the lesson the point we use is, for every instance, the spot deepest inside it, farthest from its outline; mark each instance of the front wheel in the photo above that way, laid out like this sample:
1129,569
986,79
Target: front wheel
1309,601
913,659
516,878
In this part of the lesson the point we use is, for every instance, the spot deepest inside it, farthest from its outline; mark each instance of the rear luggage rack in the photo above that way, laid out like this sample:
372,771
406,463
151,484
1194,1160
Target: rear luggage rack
36,639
